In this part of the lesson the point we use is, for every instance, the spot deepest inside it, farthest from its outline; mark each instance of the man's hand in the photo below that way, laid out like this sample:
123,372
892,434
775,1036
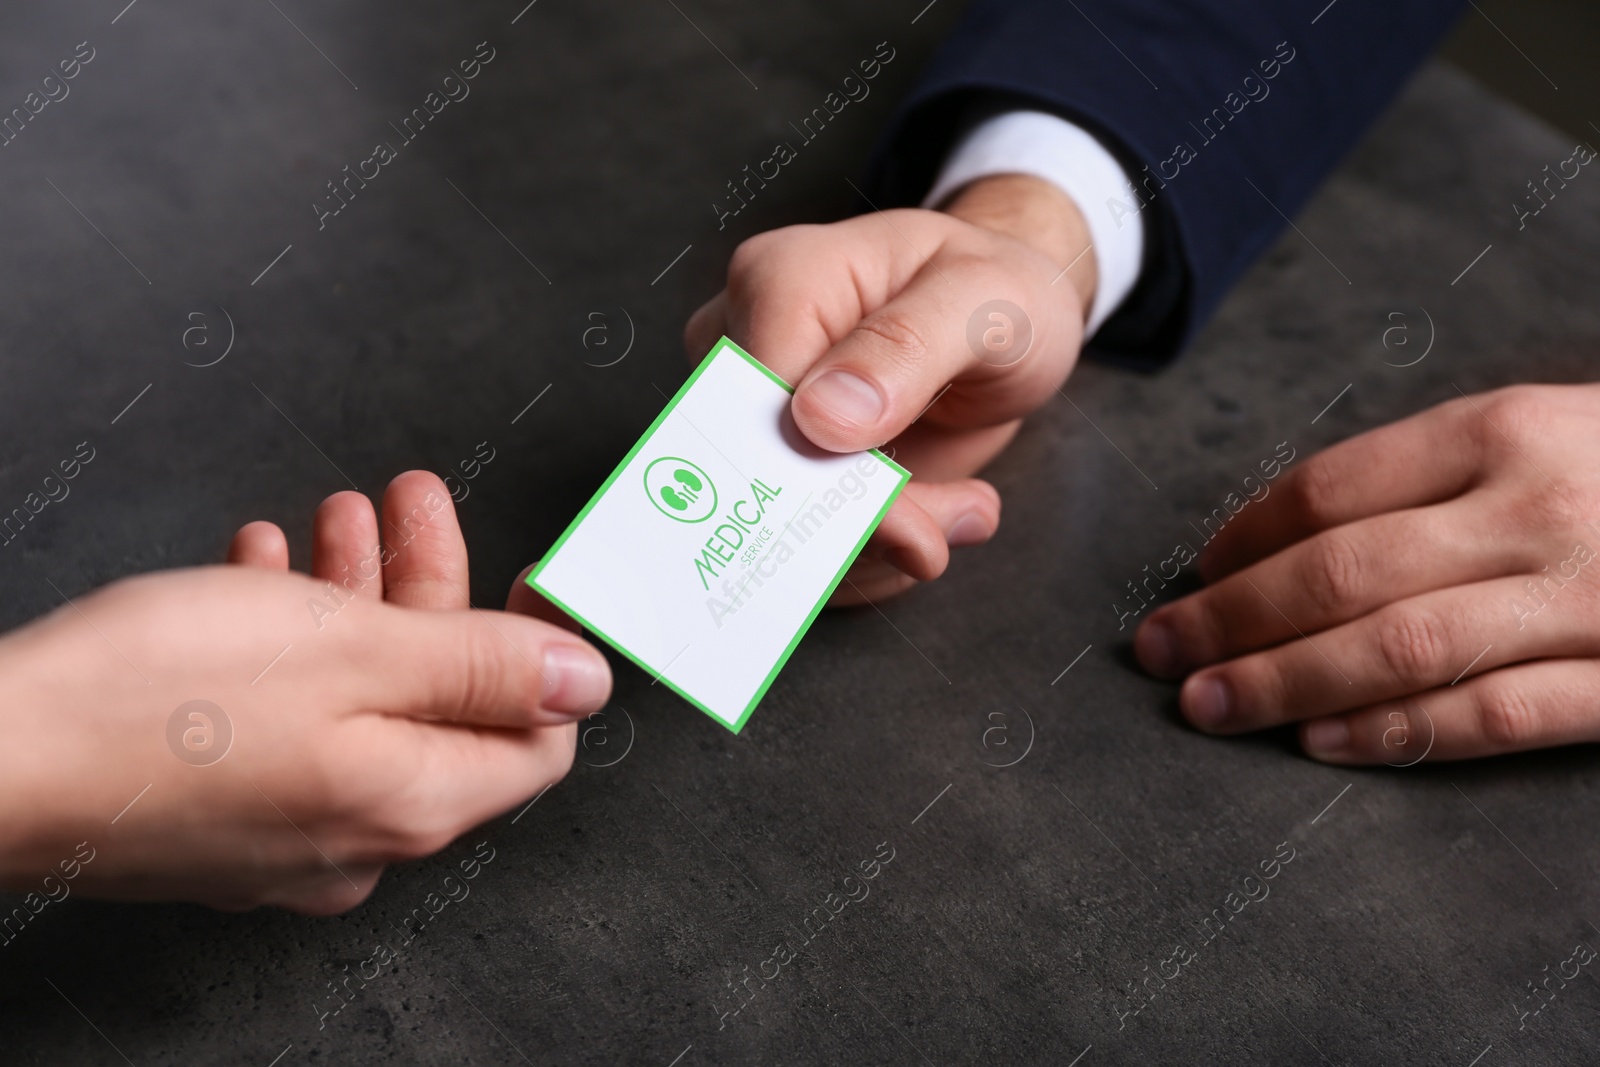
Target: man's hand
1428,588
870,319
374,717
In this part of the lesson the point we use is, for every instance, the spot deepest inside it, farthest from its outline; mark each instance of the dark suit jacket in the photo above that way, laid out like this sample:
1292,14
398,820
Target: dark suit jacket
1200,99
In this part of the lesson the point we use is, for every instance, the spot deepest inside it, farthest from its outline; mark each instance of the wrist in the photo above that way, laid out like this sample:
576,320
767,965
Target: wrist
1038,214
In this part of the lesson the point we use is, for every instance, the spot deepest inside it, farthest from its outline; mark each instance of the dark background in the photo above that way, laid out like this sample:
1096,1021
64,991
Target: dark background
1020,904
1539,53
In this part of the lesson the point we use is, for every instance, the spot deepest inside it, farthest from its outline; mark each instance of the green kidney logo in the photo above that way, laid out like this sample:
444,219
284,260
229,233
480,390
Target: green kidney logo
680,490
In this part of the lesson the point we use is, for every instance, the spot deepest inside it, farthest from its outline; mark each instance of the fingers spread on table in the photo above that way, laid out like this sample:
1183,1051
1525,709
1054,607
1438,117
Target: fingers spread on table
1331,578
1425,459
1407,647
1527,706
425,557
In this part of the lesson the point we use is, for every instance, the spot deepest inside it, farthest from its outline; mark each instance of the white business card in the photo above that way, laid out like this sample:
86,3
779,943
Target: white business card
708,552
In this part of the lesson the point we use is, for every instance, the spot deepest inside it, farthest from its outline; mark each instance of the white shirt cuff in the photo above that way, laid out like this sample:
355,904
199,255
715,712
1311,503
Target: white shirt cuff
1048,147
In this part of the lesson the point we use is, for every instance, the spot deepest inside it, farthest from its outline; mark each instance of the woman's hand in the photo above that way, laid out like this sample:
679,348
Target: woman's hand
367,715
1428,589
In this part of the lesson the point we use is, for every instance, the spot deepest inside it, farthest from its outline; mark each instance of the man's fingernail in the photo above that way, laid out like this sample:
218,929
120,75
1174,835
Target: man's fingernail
969,529
1209,702
1327,737
577,680
848,397
1157,648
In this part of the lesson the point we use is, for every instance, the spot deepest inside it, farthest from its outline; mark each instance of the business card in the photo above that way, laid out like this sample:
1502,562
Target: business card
708,552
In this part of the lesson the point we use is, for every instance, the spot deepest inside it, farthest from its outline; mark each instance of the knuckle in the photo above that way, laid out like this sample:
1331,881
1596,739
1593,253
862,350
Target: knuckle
1563,507
1514,417
1506,717
1574,575
404,814
322,783
1413,644
893,336
485,673
390,829
767,254
421,828
1334,573
748,256
1313,493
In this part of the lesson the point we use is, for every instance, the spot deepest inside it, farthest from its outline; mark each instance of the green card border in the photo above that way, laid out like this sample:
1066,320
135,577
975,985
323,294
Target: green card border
532,579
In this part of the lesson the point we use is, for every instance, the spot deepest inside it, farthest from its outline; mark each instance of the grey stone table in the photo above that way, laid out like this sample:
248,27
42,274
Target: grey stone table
166,207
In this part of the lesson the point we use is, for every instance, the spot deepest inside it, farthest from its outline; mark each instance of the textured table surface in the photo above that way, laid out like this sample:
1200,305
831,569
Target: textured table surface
1024,903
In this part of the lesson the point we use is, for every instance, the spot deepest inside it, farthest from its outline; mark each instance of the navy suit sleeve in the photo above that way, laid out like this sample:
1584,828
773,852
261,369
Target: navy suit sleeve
1224,113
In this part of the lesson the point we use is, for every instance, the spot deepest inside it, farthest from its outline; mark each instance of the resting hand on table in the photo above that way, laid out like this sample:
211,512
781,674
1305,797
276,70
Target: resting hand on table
396,720
1459,542
869,319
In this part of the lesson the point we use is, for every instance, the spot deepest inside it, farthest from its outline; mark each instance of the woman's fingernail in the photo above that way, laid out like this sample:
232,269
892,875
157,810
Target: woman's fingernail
1209,702
577,680
970,529
1327,737
1157,648
847,397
